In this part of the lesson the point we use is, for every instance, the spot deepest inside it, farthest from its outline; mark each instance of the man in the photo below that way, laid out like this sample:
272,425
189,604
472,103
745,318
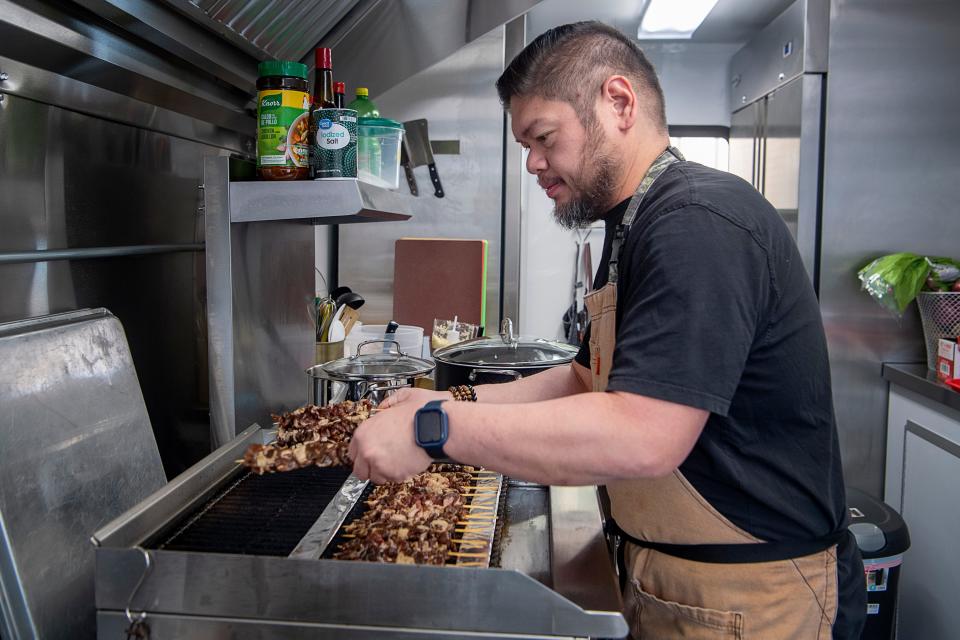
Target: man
701,397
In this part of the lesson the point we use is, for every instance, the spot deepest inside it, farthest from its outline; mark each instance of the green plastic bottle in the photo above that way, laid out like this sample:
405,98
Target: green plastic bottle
368,149
363,105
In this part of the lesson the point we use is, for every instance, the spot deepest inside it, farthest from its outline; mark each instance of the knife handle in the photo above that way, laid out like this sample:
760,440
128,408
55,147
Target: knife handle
435,178
411,180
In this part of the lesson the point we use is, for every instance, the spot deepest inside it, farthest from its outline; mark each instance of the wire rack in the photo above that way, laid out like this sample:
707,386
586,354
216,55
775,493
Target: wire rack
940,316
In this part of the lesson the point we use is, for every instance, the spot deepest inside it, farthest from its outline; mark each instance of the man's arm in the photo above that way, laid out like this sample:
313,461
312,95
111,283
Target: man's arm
557,382
546,385
589,438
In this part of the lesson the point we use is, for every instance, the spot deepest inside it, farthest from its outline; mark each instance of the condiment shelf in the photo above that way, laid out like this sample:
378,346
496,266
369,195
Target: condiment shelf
336,201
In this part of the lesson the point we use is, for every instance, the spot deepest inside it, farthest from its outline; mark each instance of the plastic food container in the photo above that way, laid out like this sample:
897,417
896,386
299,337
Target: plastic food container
409,337
378,152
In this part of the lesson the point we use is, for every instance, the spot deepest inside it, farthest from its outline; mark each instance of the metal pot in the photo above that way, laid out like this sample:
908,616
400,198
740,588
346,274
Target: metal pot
500,358
366,375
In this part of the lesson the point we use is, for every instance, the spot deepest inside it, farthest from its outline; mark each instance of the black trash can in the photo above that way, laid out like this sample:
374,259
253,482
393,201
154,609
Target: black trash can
882,537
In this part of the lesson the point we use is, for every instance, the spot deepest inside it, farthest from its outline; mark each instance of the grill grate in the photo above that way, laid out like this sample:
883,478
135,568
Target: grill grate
257,515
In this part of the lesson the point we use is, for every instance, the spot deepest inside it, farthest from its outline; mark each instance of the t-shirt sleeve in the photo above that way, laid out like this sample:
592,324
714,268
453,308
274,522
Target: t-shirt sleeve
695,295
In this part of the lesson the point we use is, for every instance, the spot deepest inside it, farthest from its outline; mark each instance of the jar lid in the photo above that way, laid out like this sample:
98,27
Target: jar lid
379,122
282,68
494,352
372,367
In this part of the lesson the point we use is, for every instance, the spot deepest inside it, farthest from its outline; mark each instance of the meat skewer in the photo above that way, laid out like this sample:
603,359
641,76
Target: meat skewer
412,521
310,436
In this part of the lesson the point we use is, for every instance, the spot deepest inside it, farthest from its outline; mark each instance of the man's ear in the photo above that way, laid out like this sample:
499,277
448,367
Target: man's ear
618,96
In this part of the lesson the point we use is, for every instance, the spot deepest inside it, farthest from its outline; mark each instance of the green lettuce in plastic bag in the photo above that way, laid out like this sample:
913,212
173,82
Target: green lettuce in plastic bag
895,280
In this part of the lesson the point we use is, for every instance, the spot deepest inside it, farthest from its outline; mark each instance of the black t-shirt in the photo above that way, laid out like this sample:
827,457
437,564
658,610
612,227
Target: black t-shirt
715,311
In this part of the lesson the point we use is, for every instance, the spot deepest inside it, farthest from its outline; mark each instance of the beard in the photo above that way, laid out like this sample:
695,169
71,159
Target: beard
592,197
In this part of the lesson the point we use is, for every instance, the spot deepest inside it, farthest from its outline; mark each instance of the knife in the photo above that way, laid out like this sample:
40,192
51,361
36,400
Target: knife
407,169
417,140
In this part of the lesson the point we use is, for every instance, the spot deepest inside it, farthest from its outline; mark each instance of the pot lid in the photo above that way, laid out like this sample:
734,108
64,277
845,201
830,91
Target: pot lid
372,367
494,352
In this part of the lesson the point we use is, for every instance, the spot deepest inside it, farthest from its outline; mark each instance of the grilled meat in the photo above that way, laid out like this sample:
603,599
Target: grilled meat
409,522
310,436
335,422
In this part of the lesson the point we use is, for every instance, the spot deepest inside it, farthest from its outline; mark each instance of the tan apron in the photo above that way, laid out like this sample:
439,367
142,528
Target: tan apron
666,596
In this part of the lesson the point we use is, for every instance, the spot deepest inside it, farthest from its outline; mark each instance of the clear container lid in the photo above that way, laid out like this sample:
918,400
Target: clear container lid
380,123
494,352
371,367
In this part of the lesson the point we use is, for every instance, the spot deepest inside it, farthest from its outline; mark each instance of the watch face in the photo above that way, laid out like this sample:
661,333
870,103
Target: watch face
429,427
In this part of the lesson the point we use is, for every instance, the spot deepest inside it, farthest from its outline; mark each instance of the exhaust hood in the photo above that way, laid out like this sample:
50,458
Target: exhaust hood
265,29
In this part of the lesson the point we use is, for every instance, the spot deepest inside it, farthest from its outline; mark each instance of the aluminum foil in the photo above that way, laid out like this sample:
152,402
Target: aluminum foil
476,543
324,530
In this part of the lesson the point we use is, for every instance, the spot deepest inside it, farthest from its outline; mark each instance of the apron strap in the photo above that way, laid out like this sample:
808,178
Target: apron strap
664,160
743,553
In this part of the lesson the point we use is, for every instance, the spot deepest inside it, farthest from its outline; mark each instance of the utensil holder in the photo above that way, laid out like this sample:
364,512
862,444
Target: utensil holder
327,351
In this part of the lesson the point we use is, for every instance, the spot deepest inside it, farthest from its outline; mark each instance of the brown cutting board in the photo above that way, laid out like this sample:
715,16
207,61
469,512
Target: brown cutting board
439,278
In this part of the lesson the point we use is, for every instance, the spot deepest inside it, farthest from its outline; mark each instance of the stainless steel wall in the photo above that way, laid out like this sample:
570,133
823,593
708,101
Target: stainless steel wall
891,171
69,180
458,98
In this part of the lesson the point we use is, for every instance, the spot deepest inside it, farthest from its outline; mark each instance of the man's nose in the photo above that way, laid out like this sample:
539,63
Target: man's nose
536,162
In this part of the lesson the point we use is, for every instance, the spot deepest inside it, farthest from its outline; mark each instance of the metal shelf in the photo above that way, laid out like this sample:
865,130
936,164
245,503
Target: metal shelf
335,201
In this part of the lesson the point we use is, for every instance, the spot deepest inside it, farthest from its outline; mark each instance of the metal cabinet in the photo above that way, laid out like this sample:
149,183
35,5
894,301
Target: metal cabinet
922,474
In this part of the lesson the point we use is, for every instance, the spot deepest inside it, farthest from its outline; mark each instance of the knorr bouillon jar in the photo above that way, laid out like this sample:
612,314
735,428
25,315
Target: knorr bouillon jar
283,122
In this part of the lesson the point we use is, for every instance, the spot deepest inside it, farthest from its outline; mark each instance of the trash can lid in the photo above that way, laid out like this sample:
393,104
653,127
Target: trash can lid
879,530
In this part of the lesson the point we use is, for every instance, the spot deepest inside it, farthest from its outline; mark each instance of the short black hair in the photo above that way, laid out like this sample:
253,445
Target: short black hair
571,62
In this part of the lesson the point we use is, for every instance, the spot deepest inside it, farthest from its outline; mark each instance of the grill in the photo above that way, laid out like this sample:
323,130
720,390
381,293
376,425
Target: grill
234,554
262,515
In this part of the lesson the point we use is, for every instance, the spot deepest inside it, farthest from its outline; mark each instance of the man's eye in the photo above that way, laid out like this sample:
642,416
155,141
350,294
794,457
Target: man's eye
542,138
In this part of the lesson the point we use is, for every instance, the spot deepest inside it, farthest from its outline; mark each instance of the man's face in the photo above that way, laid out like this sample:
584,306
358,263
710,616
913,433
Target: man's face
572,162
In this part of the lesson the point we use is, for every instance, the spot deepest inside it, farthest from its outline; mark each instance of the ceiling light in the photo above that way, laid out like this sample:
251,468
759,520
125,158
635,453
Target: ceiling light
673,18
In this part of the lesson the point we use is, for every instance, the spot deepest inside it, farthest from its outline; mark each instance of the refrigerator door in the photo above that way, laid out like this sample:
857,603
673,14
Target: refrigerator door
743,142
782,160
791,162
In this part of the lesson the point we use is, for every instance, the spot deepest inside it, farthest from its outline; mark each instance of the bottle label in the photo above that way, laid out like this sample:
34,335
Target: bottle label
335,153
282,128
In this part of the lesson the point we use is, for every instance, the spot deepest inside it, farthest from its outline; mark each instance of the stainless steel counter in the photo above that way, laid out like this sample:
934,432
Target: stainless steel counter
919,379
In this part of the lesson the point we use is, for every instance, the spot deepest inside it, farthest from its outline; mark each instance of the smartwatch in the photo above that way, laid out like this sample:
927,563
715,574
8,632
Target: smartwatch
431,428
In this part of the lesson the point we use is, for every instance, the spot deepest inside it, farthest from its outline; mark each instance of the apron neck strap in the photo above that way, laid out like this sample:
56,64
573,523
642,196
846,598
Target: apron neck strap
664,160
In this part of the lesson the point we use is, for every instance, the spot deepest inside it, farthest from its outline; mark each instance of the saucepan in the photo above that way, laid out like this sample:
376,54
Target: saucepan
365,375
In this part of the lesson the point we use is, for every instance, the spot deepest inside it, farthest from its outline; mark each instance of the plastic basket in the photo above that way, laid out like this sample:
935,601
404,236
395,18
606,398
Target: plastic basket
940,316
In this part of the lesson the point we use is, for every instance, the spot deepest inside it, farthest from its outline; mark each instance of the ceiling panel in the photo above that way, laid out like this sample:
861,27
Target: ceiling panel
731,21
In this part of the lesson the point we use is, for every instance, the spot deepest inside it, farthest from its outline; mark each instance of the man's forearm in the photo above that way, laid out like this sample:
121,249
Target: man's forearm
552,383
589,439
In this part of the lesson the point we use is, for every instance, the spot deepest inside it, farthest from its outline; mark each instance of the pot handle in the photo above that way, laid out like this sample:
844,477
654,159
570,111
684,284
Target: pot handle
509,373
383,342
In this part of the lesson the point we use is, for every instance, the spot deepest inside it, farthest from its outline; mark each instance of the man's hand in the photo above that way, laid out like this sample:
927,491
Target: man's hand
383,448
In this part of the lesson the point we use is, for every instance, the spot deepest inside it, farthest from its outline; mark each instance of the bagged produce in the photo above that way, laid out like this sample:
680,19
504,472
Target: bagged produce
895,280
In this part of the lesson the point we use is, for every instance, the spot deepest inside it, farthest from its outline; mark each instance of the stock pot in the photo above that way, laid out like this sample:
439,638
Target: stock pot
499,358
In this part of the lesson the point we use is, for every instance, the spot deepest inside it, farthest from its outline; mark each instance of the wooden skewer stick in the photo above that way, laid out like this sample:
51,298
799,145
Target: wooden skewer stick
466,554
